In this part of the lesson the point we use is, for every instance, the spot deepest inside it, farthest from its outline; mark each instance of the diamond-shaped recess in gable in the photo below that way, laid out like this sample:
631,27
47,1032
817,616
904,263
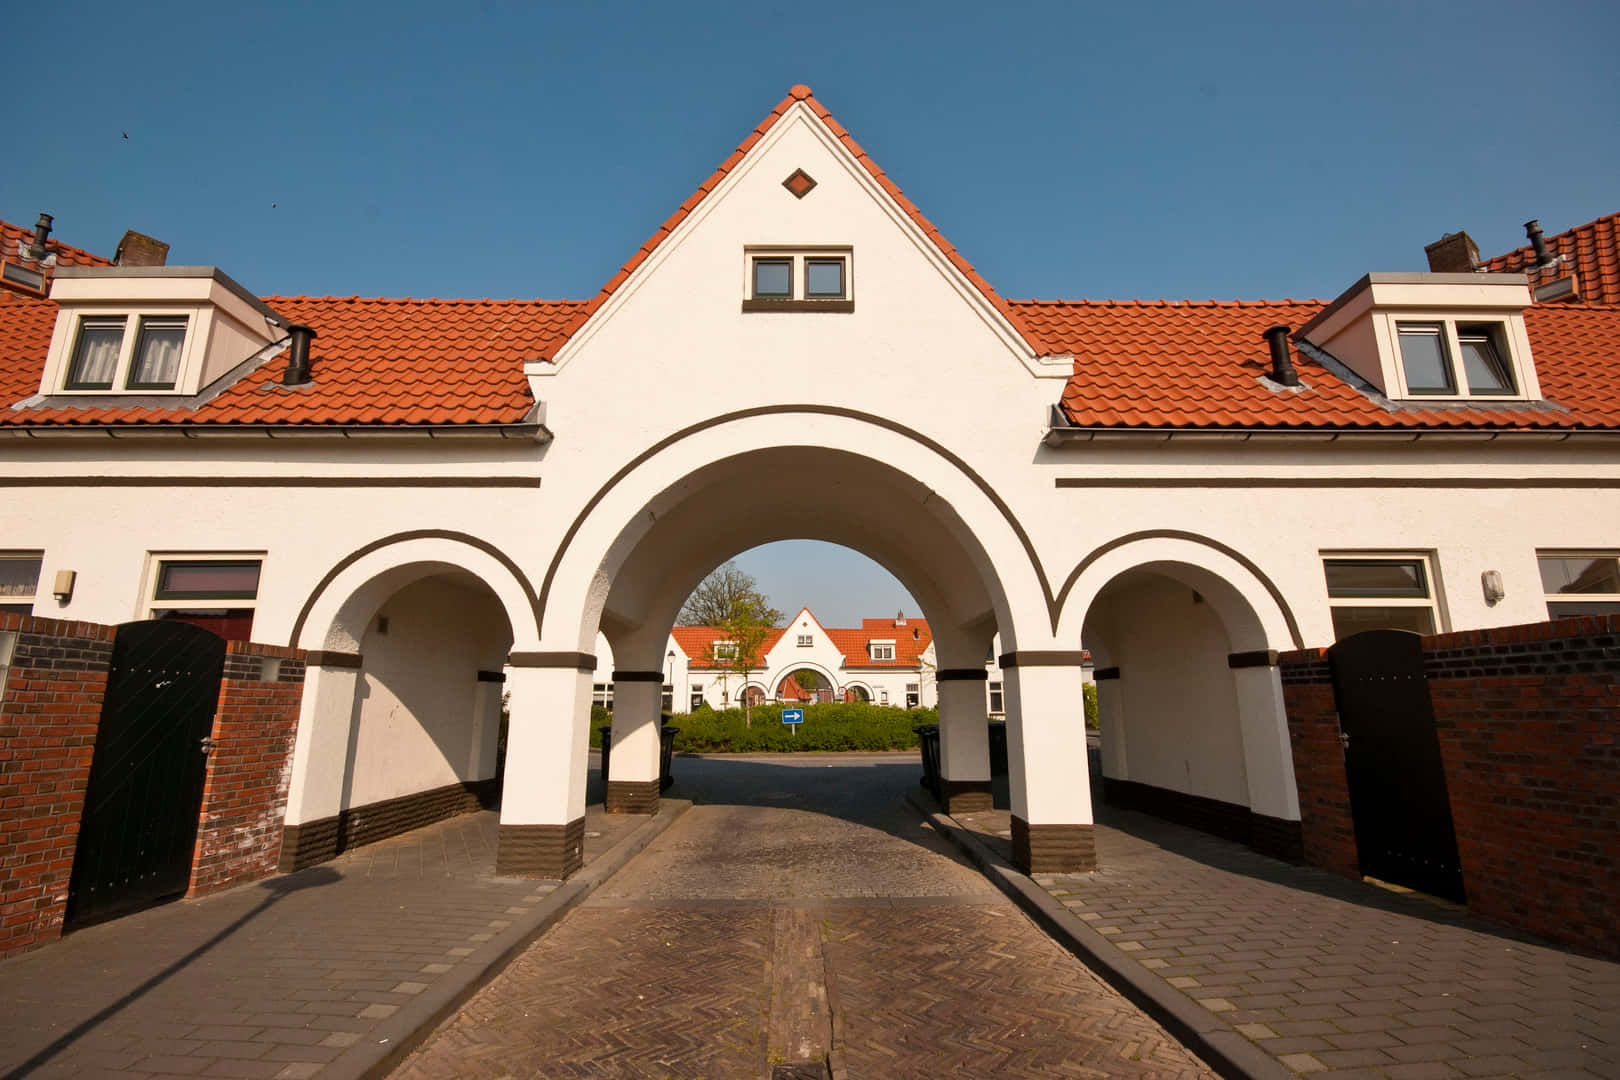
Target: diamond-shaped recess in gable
800,183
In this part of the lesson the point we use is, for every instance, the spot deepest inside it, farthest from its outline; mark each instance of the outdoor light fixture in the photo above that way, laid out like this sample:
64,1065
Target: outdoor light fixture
63,588
1491,582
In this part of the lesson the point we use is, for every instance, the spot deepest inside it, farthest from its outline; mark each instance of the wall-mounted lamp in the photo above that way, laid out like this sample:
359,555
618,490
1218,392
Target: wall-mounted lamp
1491,582
63,587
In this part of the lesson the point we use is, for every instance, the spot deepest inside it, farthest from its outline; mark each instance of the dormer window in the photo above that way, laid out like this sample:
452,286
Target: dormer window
799,279
107,355
152,330
1429,358
1432,336
881,650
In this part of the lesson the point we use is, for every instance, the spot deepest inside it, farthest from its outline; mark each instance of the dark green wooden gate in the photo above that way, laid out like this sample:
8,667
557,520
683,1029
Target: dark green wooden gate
146,779
1392,763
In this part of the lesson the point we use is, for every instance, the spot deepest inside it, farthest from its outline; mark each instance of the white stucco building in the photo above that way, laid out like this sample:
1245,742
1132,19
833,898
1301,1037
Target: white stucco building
424,493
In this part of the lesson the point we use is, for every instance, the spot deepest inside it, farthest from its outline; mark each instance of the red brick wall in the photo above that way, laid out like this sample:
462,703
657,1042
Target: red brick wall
1529,724
1313,732
49,710
245,795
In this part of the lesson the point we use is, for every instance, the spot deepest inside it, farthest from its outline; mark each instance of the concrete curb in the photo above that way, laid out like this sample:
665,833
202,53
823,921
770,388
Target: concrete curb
382,1049
1201,1031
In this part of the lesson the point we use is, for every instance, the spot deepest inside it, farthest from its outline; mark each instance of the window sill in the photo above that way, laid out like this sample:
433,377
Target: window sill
839,307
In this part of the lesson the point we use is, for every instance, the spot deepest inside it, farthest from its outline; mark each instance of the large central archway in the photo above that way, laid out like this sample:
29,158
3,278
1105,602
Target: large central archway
657,527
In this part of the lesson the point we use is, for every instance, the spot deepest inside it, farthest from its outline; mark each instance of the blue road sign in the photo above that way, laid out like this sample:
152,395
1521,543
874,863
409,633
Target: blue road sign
792,716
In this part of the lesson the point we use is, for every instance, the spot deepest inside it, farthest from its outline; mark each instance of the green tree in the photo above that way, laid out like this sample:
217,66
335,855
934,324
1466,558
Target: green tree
730,600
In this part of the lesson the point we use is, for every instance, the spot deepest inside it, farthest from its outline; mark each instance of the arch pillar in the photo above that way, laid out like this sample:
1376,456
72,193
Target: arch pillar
322,750
1268,758
633,760
542,830
1053,830
964,740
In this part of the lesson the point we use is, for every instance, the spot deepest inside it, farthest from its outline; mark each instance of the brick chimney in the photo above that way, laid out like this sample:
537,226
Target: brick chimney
1453,253
138,249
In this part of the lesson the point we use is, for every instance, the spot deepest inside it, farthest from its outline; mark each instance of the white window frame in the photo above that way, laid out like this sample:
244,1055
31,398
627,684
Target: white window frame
1433,602
880,650
1576,598
31,599
134,320
696,697
725,650
997,703
806,640
1506,335
798,258
151,605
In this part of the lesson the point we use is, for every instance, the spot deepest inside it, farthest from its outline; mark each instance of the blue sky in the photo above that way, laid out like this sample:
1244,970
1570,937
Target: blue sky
1068,150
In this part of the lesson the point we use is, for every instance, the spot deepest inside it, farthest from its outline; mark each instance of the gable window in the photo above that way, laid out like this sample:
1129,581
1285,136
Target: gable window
1380,593
1455,359
799,279
1580,584
217,593
129,352
806,640
19,582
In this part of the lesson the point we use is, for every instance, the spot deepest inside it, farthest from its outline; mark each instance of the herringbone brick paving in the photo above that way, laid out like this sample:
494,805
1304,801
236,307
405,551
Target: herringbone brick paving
1334,976
667,971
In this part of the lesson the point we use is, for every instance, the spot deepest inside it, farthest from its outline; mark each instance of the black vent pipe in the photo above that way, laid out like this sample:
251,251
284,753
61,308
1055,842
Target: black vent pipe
1282,363
1532,229
42,232
298,360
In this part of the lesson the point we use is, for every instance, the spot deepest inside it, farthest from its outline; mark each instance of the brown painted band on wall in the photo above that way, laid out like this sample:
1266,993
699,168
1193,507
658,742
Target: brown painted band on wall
328,658
492,676
1104,674
579,661
1257,658
638,676
961,674
1051,658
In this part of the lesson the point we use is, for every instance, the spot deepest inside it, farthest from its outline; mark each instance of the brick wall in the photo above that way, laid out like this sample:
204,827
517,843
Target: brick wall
1529,724
1313,732
1528,718
249,768
50,707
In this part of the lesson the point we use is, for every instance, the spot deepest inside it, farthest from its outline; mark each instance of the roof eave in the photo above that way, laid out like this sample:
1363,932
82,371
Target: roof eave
532,432
1059,437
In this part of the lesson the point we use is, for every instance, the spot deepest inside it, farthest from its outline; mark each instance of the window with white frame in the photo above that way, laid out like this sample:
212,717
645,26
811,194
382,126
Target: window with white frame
126,352
602,694
881,650
1450,358
913,696
883,697
996,706
697,697
216,592
725,650
806,640
19,581
798,279
1580,583
666,700
1380,592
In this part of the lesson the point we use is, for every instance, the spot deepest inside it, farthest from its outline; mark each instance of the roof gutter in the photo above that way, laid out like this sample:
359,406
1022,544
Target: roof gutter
532,432
1059,437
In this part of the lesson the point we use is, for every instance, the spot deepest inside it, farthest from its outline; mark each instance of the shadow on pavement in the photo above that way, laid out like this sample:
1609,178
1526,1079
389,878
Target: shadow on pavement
276,888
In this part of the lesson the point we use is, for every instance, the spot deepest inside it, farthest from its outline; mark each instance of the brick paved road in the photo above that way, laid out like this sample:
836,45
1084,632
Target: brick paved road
798,909
272,980
1336,977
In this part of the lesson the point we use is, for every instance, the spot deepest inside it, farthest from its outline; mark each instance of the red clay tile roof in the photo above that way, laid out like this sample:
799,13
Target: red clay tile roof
66,254
1198,365
694,641
797,94
375,361
1594,255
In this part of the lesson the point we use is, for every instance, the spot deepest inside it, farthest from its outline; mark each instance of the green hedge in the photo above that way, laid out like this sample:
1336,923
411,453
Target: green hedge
825,727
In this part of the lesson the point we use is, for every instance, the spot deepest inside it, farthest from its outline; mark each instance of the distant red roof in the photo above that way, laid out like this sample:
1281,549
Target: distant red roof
1593,253
695,640
66,255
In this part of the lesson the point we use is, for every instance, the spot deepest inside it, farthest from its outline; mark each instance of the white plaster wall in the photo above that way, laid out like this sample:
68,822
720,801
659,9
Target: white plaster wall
419,710
1177,703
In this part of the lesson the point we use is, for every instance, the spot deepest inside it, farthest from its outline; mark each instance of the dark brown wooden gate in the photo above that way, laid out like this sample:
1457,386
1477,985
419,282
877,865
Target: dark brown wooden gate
1392,762
146,779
